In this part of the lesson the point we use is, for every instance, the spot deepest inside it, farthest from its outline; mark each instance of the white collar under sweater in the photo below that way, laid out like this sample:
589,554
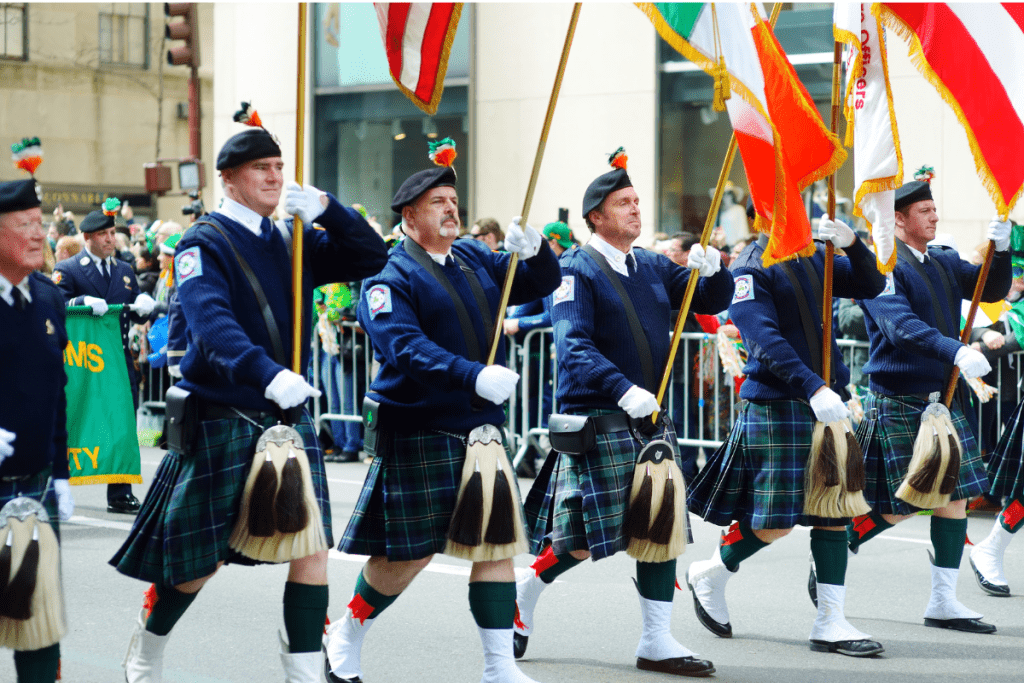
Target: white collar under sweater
242,215
616,259
97,260
918,255
6,286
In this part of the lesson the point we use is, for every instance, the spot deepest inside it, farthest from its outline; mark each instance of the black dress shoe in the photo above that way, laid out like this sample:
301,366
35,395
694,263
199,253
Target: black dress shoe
965,625
850,648
519,642
347,456
329,675
988,586
720,630
677,666
126,504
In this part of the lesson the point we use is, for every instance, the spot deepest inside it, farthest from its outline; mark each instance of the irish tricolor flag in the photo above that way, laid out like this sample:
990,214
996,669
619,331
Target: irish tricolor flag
417,39
973,54
784,143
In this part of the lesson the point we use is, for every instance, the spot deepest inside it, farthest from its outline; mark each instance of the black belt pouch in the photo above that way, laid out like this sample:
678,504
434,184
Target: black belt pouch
572,434
182,411
371,424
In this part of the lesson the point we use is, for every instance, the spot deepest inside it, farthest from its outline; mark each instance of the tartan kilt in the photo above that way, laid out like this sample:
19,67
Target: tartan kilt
1006,462
887,435
586,501
183,528
757,475
408,497
35,487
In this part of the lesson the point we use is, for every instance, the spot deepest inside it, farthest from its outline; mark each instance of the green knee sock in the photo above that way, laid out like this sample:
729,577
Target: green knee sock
170,604
305,611
37,666
492,603
1012,515
656,580
829,551
739,544
862,529
948,536
366,602
550,566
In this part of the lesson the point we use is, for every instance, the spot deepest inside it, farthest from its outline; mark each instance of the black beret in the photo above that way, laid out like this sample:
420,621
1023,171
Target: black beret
603,186
96,220
751,212
909,193
420,182
18,195
254,143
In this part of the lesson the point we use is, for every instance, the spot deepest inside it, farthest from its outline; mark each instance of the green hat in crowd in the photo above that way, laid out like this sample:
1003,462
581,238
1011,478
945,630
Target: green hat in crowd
559,232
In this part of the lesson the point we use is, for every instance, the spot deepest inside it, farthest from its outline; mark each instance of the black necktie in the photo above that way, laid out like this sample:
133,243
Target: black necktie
106,270
631,264
266,228
19,299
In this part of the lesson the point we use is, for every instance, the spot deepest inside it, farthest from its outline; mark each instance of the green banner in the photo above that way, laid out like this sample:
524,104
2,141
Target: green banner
103,447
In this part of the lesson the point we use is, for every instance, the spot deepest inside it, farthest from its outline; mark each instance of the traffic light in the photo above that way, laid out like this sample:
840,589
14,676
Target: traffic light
187,29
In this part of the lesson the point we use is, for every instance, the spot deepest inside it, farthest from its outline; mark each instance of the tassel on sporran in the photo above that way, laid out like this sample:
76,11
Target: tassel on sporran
655,522
935,465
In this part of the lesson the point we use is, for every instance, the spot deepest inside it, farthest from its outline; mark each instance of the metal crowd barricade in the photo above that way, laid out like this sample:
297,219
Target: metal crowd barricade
357,363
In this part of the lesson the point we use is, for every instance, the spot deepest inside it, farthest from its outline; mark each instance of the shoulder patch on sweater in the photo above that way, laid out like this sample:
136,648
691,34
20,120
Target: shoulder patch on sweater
744,289
890,286
378,299
566,291
188,264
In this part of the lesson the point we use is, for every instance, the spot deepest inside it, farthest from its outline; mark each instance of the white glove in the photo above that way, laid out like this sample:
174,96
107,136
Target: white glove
174,371
972,363
98,306
526,243
289,389
707,263
638,402
828,406
303,202
496,383
65,502
6,441
144,304
836,232
999,232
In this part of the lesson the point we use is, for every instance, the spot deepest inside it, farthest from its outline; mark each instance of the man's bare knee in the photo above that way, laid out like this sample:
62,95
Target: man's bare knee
192,587
580,554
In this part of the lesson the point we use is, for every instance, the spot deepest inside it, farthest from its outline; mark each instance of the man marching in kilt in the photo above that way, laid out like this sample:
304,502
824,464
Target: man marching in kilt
612,326
1006,472
428,315
757,478
913,327
181,536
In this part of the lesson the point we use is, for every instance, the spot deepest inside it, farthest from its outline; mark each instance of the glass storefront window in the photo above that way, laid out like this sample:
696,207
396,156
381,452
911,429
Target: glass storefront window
693,137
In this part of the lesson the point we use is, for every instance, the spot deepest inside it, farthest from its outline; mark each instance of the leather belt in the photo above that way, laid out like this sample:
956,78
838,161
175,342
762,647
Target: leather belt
613,422
219,411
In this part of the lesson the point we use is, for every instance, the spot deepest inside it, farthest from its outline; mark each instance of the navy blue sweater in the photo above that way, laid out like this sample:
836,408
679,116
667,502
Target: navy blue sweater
909,355
426,380
765,311
230,358
597,357
32,377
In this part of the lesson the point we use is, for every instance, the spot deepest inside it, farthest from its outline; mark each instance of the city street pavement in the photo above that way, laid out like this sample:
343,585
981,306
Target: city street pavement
587,624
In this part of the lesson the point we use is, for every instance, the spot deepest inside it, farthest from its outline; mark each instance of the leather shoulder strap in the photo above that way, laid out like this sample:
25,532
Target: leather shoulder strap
643,348
903,252
811,333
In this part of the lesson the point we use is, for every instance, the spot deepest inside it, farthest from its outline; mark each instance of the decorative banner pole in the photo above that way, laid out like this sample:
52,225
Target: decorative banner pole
506,289
830,249
705,238
965,334
300,149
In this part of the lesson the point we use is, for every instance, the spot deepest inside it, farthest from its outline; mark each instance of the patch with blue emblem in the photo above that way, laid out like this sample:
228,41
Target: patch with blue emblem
744,289
188,264
566,291
890,285
378,299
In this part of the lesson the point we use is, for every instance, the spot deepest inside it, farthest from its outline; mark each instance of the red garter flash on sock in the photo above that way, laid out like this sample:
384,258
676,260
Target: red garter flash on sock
361,609
863,524
1013,514
149,599
517,621
733,536
546,560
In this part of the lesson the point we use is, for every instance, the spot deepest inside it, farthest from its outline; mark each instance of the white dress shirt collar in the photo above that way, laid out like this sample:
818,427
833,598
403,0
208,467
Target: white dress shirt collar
6,286
921,257
97,260
242,215
616,259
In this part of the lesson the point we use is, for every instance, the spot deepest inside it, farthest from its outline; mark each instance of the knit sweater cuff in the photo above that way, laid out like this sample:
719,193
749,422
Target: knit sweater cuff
335,216
465,373
948,349
812,384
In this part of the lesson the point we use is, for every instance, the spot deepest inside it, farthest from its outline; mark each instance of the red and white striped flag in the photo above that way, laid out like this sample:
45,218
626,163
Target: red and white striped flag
417,39
972,53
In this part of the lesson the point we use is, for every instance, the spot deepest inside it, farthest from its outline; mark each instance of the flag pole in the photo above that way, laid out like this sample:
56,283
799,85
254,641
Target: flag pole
830,250
705,238
300,149
965,334
506,289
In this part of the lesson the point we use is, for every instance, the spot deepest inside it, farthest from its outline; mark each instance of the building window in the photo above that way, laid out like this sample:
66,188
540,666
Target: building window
124,34
13,40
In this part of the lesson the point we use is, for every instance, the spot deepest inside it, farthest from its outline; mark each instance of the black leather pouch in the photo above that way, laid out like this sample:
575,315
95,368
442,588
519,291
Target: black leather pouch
371,426
571,434
182,412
